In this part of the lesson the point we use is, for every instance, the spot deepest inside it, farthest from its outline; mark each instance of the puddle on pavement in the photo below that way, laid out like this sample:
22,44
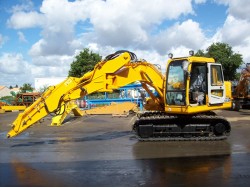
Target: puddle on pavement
223,170
100,137
23,174
142,150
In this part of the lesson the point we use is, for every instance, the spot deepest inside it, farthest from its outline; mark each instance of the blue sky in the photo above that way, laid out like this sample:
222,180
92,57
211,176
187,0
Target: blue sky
41,38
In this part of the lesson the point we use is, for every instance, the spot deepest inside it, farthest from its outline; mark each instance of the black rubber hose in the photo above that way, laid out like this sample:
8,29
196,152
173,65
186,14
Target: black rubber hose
117,53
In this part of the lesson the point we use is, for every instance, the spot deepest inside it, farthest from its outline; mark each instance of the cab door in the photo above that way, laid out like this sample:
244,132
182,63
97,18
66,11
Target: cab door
216,86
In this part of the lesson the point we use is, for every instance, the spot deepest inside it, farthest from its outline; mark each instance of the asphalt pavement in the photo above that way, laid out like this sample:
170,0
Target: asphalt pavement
101,150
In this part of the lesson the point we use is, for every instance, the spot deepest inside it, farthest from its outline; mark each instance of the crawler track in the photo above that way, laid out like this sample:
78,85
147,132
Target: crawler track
159,126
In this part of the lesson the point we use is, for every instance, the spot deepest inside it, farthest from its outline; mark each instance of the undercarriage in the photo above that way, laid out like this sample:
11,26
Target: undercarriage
159,126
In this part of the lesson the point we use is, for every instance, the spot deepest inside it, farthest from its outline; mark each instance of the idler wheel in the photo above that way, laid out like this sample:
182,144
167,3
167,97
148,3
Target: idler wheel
219,129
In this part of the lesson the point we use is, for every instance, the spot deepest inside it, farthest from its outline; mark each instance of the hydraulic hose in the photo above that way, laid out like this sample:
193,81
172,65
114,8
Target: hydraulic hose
117,53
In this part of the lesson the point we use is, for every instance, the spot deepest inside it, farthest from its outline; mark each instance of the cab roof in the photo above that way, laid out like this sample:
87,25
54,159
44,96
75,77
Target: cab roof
195,59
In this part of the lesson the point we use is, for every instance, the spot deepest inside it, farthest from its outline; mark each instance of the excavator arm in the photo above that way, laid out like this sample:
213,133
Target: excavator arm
115,71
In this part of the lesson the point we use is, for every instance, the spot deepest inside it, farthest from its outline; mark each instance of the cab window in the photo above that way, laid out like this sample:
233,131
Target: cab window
216,75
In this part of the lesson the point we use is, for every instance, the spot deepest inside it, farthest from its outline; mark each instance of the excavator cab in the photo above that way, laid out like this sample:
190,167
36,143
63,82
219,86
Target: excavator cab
194,85
193,89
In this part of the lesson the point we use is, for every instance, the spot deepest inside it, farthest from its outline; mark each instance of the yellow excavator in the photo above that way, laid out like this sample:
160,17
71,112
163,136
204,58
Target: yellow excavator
180,109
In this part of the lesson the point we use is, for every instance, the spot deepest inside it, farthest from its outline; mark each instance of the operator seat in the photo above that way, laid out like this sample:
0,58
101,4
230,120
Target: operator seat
197,86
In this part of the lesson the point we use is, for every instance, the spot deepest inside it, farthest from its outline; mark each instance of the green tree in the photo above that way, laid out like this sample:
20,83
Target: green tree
224,54
84,62
200,53
26,88
7,99
43,88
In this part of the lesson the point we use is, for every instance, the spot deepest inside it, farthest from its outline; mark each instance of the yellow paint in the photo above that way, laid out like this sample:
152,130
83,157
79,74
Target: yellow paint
64,112
106,77
13,108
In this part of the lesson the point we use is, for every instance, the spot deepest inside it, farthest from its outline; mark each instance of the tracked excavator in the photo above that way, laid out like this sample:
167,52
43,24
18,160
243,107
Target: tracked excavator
180,109
241,92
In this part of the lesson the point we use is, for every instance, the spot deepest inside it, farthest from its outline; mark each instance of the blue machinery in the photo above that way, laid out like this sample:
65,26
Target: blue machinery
128,93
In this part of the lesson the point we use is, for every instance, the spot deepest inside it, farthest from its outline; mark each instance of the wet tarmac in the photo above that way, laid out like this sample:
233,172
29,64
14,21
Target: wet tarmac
102,151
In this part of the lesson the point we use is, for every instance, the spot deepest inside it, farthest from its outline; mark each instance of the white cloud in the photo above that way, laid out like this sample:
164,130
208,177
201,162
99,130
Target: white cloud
235,30
153,57
57,19
120,24
47,71
128,23
58,37
26,5
53,60
14,69
13,64
239,9
24,20
21,37
187,34
114,25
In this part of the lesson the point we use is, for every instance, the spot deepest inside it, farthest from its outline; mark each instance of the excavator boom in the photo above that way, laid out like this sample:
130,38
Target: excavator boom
115,71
